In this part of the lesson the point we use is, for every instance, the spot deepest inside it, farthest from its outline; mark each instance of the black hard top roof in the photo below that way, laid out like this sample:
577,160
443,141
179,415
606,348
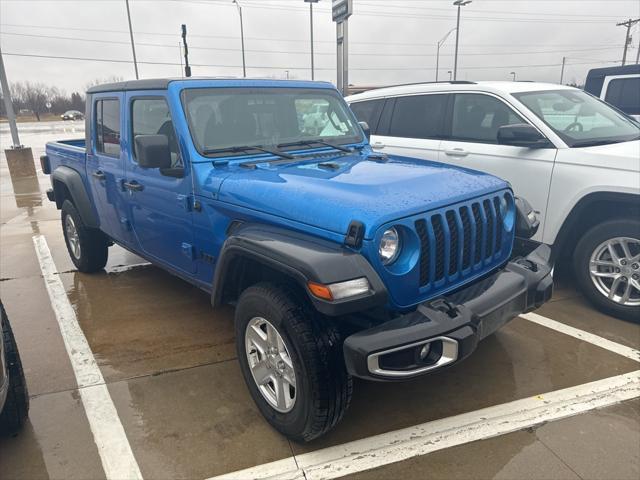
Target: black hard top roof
163,83
146,84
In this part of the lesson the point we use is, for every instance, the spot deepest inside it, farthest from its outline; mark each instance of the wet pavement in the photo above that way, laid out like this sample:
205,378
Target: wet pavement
169,363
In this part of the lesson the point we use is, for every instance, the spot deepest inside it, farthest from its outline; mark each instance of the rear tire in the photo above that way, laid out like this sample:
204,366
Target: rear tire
591,253
87,247
313,350
16,406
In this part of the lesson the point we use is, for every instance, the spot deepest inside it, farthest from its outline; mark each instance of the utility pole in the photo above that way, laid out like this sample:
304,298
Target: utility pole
341,10
311,2
6,95
187,68
638,54
19,158
133,45
438,51
564,61
458,3
627,39
244,65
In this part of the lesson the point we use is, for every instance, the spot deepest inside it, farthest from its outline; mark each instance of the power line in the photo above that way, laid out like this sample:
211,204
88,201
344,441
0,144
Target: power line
304,41
389,13
264,67
164,45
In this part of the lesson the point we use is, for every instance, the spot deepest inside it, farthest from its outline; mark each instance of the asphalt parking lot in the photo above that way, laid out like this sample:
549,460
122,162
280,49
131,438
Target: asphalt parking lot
548,396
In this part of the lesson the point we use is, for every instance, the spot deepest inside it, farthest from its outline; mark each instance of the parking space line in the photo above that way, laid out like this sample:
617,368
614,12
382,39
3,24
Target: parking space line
113,447
596,340
399,445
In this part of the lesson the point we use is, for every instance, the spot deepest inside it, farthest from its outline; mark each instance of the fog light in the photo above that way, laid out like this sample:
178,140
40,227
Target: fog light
424,351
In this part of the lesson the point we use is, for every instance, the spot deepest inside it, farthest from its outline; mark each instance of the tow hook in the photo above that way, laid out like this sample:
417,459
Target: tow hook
442,305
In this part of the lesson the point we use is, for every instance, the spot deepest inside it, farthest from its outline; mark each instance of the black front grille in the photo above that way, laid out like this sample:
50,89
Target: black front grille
459,238
421,229
488,213
466,235
477,218
453,244
438,231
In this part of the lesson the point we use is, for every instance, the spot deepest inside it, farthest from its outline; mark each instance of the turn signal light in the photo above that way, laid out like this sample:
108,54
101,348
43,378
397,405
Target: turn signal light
340,290
320,291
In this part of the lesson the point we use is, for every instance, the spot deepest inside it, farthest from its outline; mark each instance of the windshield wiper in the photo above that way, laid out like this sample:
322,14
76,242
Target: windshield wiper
249,148
315,142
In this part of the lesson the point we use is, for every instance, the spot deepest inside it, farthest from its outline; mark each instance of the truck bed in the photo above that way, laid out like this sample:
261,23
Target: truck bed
67,152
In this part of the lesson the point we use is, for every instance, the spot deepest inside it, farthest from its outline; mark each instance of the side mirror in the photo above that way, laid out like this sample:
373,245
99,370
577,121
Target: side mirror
521,135
365,129
152,151
527,222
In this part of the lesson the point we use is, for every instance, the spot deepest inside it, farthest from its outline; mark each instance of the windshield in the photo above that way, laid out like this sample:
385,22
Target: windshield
222,118
579,118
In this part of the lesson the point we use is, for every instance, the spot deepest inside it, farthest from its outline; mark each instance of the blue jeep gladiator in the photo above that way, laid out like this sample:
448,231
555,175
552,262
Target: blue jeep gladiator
341,262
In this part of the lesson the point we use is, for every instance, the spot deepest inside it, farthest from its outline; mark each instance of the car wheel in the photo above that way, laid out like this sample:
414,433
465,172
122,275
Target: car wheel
607,267
16,406
87,247
292,362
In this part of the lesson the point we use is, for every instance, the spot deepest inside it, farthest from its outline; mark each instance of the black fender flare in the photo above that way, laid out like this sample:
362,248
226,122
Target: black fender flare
303,258
73,181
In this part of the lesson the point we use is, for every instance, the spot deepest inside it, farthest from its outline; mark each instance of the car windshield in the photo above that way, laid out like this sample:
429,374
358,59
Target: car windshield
580,119
222,118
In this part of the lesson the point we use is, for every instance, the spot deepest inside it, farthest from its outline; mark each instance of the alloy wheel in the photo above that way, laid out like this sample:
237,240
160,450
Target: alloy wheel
270,364
73,239
614,268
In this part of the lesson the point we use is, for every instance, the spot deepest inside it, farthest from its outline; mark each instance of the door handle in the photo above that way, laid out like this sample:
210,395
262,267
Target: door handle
99,174
456,152
133,186
378,146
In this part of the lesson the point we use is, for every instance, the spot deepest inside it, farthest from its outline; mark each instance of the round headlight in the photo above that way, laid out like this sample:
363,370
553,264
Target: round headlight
389,246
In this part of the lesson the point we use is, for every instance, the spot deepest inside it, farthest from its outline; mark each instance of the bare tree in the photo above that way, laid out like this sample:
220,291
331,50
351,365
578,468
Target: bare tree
99,81
32,96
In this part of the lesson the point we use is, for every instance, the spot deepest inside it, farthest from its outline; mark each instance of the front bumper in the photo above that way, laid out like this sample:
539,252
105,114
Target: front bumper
451,325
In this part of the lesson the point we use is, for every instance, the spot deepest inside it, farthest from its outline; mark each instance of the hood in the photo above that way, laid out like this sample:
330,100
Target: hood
620,156
329,193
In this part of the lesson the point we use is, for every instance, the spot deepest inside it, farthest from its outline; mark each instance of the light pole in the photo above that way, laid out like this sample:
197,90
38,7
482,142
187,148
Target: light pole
311,2
458,3
514,75
438,51
133,45
244,65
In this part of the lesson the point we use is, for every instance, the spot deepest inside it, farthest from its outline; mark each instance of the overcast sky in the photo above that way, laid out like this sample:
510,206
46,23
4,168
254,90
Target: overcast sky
391,41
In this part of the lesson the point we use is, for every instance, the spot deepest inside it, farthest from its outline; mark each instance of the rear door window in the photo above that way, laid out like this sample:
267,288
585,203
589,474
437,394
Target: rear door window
418,116
624,93
477,117
368,111
108,127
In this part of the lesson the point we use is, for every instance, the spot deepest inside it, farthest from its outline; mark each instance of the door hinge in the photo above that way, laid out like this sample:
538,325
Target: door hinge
188,203
125,223
188,251
184,201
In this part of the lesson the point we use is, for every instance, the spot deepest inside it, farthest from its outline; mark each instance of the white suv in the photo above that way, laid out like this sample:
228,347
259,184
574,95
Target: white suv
574,158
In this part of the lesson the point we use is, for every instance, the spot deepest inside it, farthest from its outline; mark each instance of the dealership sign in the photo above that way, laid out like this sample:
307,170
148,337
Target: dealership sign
341,9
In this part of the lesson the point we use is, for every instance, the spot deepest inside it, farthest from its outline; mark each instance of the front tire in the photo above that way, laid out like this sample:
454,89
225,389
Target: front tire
16,406
87,247
292,362
607,267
